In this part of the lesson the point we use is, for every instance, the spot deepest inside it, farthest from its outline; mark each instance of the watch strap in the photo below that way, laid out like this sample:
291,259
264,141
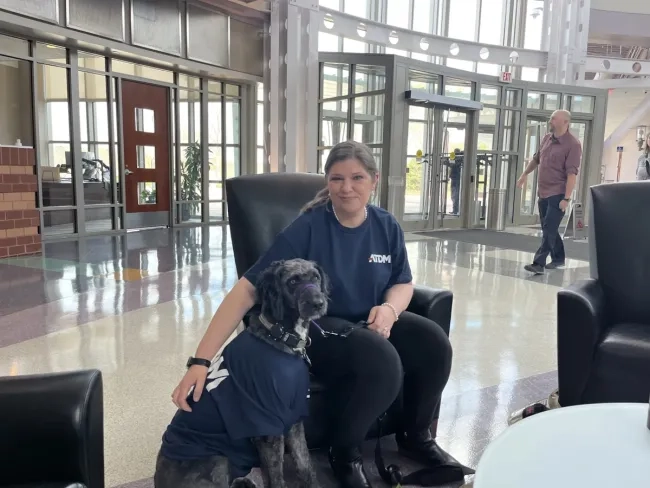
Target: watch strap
192,361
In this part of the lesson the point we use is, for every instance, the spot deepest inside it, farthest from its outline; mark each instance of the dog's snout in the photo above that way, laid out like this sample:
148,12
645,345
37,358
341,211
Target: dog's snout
318,301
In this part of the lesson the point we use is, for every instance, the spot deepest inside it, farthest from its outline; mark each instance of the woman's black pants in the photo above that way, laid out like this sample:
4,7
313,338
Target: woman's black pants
364,374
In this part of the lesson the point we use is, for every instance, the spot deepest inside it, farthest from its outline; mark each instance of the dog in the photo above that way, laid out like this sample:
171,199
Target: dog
255,395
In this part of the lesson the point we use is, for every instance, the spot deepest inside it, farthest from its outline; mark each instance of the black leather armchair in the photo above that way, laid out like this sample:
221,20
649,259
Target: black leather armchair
52,431
604,322
259,207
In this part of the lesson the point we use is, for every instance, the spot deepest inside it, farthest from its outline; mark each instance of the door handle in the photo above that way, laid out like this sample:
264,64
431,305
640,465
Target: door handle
128,172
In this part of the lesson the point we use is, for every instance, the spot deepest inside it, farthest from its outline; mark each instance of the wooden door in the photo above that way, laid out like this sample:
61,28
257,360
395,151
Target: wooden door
145,113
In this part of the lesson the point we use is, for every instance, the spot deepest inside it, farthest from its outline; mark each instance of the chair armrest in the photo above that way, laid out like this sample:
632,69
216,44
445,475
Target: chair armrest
433,304
581,323
52,430
48,485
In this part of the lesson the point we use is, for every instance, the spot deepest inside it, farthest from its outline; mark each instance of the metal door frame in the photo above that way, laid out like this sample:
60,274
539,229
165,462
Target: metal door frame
434,221
517,217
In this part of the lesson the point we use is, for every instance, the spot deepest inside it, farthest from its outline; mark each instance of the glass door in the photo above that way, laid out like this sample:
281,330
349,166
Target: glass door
527,213
450,168
580,129
419,164
433,193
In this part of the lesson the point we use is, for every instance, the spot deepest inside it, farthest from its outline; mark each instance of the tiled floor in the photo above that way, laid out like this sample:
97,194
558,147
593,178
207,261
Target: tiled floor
136,307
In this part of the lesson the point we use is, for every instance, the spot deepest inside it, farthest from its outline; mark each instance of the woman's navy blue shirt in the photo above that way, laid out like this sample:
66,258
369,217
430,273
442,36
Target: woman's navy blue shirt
362,263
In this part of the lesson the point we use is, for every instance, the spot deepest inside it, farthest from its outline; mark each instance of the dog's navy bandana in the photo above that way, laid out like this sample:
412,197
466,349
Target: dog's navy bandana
253,390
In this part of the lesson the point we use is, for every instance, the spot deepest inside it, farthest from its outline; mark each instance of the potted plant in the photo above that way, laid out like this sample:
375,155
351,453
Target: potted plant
191,180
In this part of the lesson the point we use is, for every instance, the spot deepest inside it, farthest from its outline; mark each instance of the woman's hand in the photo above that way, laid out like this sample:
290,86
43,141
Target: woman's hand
195,377
381,320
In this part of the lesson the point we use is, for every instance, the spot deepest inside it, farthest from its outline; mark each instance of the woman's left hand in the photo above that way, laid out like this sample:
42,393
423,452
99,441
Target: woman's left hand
381,320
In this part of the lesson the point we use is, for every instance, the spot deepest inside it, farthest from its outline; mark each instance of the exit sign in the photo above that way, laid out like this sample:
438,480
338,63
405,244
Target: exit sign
505,77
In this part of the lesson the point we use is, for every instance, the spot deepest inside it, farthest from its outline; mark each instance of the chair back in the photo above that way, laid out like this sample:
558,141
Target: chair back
260,206
620,248
52,429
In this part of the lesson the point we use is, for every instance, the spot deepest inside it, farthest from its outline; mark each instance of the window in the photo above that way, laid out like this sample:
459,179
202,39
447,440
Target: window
353,46
462,19
358,8
331,4
491,25
54,130
191,163
398,13
95,144
534,23
224,142
422,15
328,42
260,128
16,101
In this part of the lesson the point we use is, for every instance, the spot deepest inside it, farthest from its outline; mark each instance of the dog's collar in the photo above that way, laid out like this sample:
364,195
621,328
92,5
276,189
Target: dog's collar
278,333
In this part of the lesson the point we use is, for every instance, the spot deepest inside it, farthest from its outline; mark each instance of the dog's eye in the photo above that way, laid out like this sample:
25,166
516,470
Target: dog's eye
293,282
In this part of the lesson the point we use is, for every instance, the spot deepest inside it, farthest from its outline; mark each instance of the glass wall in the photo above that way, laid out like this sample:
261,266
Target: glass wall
66,104
351,107
443,154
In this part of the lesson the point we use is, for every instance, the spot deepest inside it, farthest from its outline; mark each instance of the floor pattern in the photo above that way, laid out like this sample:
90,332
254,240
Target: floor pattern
135,306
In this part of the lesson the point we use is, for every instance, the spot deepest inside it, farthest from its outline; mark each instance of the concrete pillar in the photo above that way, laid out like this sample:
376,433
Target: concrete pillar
293,90
565,37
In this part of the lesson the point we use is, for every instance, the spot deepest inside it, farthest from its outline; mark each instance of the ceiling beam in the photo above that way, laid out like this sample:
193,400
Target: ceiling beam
607,83
617,65
364,30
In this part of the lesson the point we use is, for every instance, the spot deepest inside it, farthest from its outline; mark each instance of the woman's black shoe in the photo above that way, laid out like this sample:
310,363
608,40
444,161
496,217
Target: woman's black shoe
423,449
349,473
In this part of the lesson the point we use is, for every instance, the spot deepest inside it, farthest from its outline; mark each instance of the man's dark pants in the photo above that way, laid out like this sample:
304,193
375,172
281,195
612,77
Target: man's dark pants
551,216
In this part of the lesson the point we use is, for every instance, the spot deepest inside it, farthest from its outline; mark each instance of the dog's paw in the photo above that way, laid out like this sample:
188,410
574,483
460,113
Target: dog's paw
243,483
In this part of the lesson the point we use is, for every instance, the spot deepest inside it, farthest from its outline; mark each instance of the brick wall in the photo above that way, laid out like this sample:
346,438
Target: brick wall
19,220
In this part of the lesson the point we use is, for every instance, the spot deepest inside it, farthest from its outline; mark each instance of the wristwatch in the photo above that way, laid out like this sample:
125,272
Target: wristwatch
192,361
566,199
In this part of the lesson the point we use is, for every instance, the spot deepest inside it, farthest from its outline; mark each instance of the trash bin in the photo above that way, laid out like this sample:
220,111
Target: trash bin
496,211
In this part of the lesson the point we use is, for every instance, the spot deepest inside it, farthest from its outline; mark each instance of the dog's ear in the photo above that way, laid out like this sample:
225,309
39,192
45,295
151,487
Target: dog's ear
268,292
324,279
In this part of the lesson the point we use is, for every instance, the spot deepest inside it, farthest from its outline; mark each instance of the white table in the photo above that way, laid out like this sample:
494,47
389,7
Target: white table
594,446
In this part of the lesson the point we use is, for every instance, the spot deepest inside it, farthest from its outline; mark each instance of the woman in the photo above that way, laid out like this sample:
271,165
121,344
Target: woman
643,165
361,247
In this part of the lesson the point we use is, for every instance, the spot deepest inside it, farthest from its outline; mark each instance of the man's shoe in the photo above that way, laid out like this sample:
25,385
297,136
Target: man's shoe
534,268
555,265
350,474
422,448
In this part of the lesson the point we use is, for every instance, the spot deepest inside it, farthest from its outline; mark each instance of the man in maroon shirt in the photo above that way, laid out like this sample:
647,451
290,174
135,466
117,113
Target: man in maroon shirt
558,161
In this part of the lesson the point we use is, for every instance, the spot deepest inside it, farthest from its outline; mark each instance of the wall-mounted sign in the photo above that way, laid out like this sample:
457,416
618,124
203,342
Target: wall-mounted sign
619,149
505,77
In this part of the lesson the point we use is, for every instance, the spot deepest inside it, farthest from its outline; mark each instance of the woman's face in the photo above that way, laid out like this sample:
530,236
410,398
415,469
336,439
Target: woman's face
350,185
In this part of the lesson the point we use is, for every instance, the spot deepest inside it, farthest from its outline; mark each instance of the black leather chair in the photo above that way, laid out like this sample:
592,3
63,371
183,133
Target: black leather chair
259,207
604,323
52,430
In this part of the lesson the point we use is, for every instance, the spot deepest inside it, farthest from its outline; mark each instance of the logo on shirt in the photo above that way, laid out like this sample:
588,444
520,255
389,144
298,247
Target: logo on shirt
216,375
379,259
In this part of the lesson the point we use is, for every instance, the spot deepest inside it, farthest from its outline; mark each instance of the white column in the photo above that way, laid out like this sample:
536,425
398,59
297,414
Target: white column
293,91
566,39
